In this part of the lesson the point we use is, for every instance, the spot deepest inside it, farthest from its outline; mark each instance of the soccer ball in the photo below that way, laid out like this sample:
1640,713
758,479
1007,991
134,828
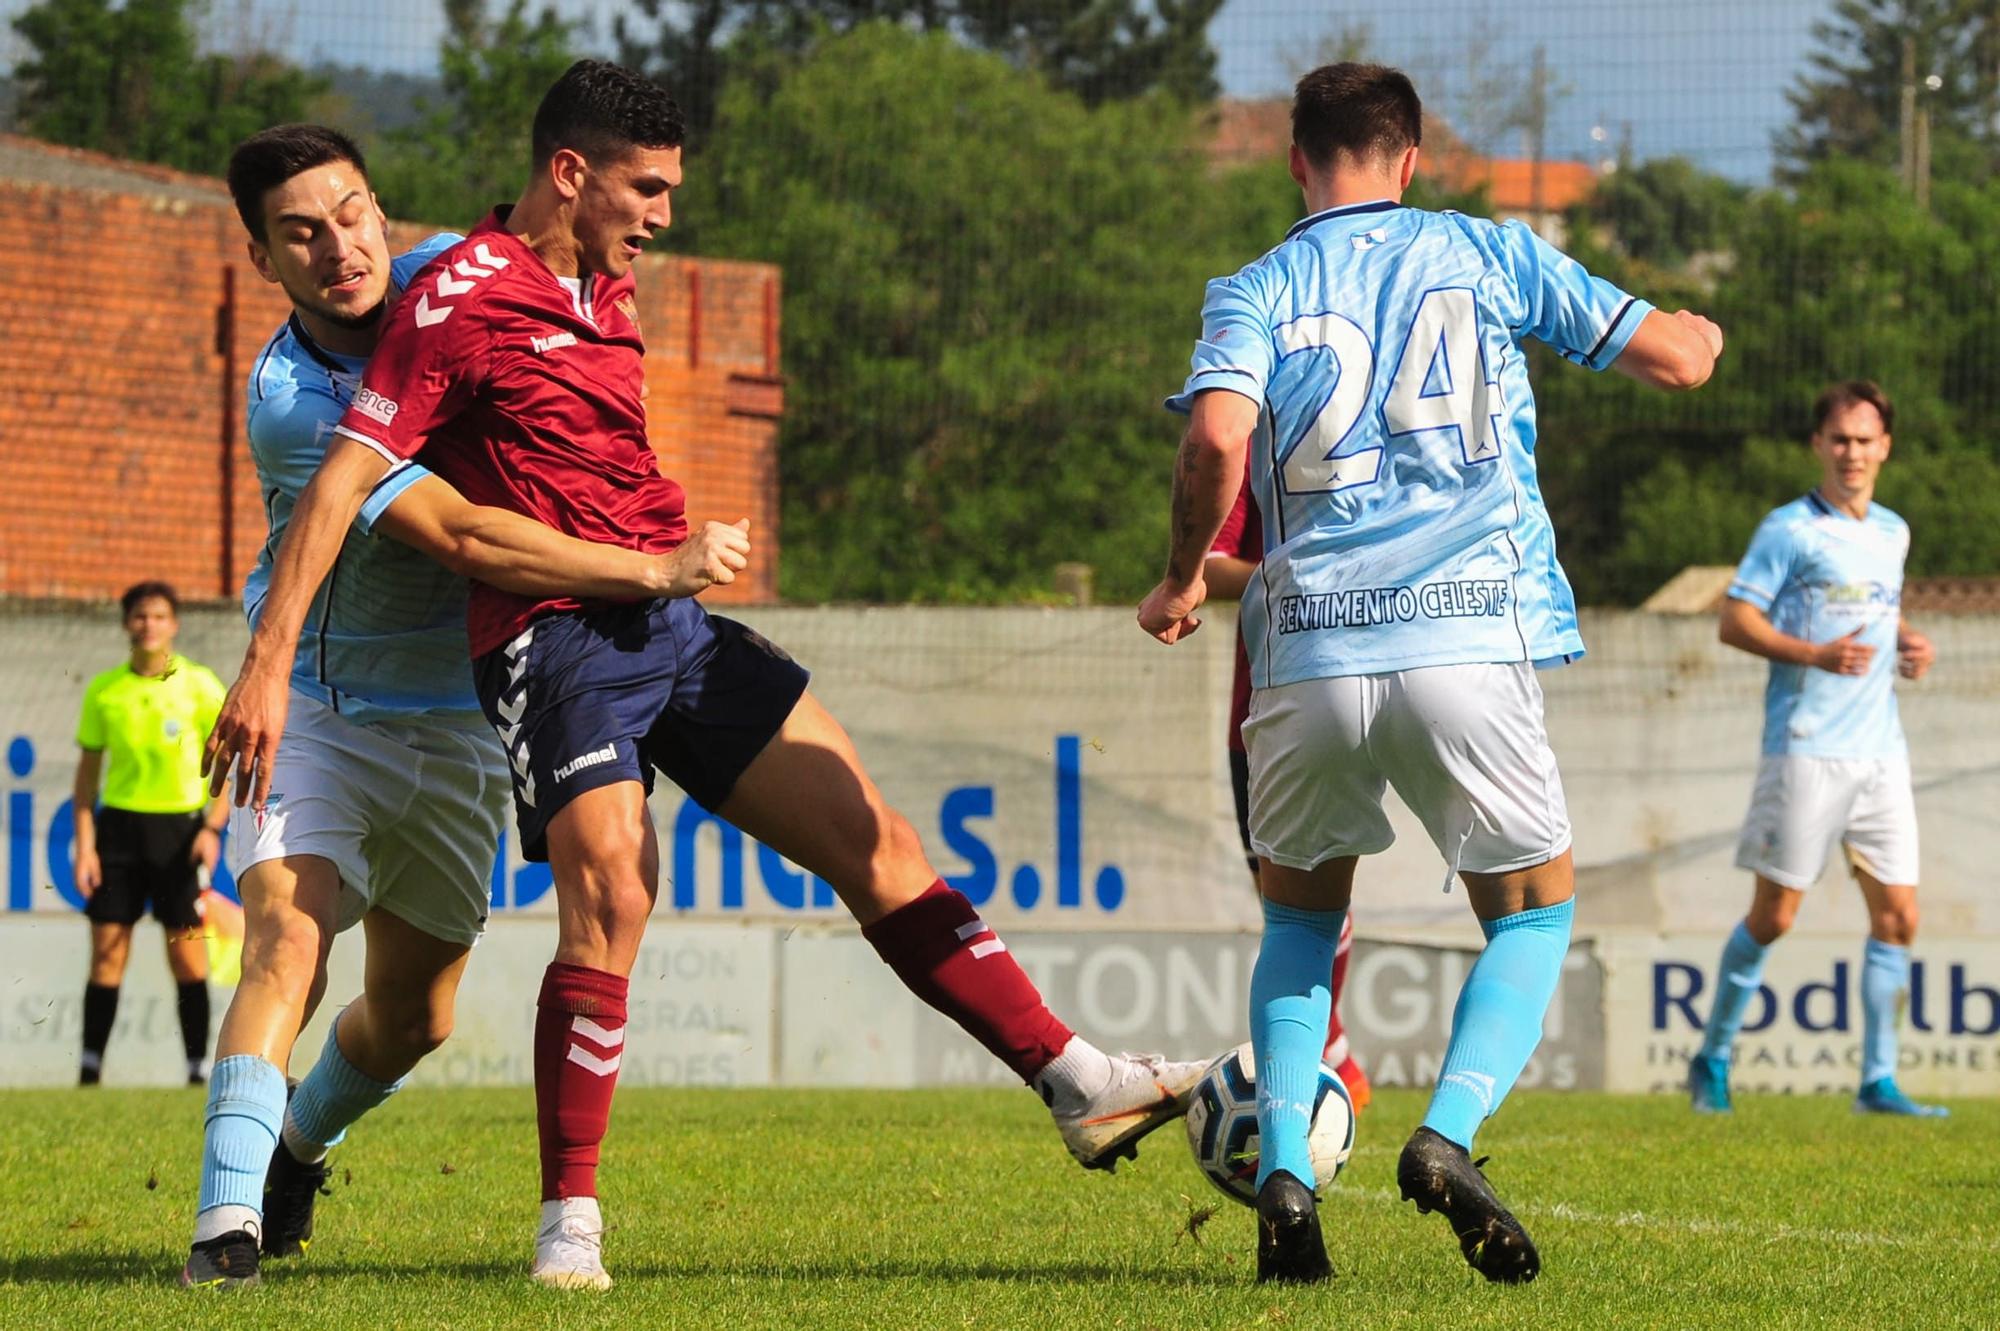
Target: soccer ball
1222,1125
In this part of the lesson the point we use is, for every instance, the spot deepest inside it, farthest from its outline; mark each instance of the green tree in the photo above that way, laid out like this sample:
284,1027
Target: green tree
988,286
130,79
470,150
1101,50
1667,210
1849,104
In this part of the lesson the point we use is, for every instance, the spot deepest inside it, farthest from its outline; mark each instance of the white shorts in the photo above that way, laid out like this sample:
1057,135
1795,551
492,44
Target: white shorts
1801,806
409,811
1464,746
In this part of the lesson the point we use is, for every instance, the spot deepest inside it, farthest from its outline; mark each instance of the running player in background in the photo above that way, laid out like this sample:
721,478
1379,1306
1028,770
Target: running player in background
390,795
1370,369
1238,549
517,367
156,837
1819,595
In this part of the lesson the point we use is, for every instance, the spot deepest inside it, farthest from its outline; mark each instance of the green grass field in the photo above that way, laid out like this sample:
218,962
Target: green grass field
891,1210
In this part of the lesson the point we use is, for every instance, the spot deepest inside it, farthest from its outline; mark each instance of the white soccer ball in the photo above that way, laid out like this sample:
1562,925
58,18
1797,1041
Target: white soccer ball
1222,1125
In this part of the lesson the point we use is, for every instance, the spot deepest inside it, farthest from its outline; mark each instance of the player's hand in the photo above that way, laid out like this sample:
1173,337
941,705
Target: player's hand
1914,654
711,557
1168,612
89,874
246,736
1704,328
1843,656
206,850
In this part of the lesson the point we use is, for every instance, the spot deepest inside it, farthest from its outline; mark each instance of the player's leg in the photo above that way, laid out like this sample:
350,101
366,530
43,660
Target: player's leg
110,949
1315,806
404,1012
1466,748
1337,1053
112,910
806,795
177,906
290,909
1797,807
1882,849
605,858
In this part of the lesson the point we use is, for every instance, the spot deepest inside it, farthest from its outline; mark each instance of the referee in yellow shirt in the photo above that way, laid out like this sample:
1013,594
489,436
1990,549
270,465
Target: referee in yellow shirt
157,835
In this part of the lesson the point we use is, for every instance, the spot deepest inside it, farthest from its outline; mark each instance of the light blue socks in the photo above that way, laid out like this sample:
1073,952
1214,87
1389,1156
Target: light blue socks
246,1103
1498,1020
1885,979
333,1095
1290,1002
1736,981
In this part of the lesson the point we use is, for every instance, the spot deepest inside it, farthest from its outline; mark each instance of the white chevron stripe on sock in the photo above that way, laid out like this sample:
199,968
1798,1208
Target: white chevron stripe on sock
590,1062
596,1034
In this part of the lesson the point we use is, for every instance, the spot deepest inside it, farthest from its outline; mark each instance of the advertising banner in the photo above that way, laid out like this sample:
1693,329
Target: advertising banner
1802,1033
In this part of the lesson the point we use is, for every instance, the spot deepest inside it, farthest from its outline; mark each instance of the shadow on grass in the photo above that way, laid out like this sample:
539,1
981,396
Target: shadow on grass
102,1267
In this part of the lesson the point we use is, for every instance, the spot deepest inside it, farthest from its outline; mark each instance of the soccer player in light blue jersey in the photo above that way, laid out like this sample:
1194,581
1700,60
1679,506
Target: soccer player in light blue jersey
1369,369
390,791
1819,595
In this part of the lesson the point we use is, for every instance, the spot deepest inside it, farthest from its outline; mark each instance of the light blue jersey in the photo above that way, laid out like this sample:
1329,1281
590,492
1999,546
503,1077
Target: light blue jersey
1393,459
1820,574
386,635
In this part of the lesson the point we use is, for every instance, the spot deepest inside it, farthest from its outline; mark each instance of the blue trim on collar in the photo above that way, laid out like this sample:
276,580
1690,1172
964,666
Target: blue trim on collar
1345,210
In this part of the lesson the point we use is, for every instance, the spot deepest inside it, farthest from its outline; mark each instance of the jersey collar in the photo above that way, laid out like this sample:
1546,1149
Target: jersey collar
1826,510
1345,210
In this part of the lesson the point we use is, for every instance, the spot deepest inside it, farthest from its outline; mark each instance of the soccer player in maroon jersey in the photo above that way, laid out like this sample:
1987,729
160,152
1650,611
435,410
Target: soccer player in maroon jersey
515,365
1234,554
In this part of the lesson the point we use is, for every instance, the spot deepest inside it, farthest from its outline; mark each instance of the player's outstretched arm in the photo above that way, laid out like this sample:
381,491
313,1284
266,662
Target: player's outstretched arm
1674,351
1207,475
253,715
518,554
1749,629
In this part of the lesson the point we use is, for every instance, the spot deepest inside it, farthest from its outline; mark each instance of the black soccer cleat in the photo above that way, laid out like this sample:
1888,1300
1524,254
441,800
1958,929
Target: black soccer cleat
290,1191
227,1262
1289,1247
1438,1175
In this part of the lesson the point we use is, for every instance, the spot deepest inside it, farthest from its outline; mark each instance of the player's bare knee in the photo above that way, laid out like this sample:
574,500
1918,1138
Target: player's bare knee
1896,924
288,953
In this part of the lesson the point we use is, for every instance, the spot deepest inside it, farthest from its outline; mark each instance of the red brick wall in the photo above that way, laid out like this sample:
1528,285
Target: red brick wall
112,384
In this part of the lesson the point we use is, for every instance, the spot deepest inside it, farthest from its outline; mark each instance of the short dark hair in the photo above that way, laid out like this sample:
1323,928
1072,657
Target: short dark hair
602,110
268,158
147,591
1362,110
1841,396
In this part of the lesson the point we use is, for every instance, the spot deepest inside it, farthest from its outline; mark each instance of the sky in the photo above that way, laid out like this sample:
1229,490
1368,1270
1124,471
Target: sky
1701,78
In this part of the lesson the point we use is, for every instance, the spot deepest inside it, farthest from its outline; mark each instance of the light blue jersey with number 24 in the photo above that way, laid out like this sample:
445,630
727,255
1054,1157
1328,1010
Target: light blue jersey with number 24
1394,456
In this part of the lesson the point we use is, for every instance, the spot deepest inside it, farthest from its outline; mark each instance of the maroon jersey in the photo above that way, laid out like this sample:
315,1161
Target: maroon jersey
524,394
1241,537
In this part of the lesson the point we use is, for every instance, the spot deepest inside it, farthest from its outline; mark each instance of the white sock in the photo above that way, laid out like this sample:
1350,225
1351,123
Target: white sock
303,1151
1073,1078
219,1220
579,1212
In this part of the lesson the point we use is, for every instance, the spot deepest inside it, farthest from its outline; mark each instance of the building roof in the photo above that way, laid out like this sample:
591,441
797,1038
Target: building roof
1260,130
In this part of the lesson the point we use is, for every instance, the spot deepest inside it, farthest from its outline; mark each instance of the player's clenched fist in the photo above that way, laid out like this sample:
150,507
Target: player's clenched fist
246,735
714,555
1168,611
1843,656
1705,328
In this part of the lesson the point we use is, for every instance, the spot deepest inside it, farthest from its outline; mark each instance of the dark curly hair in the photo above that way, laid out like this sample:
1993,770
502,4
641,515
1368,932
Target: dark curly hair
602,110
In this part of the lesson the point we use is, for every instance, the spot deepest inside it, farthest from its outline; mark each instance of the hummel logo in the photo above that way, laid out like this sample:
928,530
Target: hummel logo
1479,1083
553,342
607,754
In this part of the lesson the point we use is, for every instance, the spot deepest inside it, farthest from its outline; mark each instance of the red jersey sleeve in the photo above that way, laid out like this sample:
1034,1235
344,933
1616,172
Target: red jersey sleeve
432,358
1236,539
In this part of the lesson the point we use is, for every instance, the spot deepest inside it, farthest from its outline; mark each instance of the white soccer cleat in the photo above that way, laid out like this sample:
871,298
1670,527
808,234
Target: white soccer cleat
569,1250
1145,1091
